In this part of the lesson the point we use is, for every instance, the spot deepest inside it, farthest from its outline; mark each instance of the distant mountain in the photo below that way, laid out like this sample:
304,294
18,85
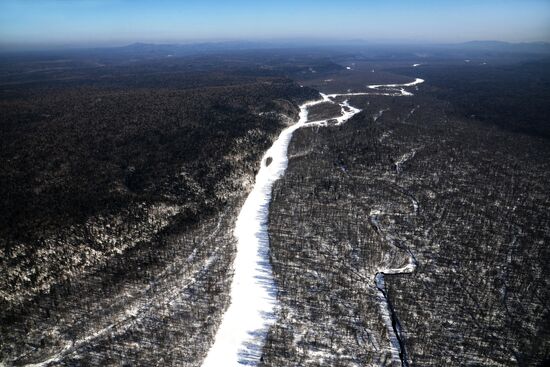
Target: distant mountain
376,50
190,48
499,46
149,49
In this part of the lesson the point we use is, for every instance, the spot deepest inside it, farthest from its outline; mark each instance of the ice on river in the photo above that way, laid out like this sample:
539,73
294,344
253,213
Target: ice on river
241,334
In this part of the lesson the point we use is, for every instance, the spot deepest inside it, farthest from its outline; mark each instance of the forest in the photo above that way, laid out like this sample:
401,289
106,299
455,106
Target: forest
124,171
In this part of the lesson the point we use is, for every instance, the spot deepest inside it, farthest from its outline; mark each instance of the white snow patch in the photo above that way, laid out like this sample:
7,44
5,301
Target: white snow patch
379,114
377,86
244,325
394,90
393,331
404,158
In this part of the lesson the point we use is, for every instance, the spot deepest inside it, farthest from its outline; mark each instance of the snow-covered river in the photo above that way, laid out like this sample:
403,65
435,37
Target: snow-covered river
243,329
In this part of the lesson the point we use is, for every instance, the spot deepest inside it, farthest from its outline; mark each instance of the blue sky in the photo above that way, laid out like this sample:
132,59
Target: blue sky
94,22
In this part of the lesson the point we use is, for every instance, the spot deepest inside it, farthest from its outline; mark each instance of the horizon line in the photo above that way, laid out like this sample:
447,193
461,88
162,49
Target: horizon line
275,42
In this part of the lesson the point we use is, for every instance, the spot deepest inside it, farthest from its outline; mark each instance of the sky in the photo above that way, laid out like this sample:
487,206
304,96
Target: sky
43,23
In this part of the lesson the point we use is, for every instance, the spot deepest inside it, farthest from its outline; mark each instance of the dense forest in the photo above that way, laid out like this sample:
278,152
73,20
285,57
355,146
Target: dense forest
467,201
104,182
514,96
124,171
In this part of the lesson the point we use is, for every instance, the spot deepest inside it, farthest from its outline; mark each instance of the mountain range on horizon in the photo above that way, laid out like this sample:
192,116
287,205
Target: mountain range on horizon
535,47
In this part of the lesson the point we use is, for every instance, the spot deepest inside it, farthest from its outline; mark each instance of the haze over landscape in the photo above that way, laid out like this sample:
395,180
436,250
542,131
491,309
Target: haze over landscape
55,23
274,183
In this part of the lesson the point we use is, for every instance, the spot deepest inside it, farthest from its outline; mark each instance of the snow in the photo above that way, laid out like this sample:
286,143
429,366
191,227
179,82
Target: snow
244,325
395,90
395,346
408,268
416,65
404,158
348,67
53,359
394,331
377,86
138,310
347,112
379,114
240,337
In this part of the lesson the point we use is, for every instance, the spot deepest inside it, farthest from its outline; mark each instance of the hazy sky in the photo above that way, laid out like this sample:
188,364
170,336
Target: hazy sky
92,22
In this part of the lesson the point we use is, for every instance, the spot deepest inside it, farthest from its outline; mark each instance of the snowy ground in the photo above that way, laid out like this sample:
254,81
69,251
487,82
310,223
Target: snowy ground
244,326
